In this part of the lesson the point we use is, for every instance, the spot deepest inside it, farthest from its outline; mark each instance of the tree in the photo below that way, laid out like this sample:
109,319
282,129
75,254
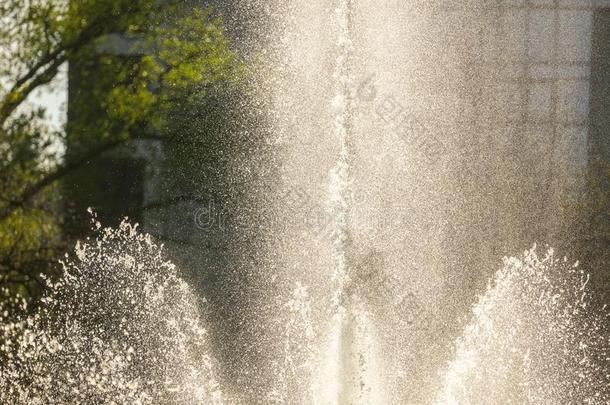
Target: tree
174,53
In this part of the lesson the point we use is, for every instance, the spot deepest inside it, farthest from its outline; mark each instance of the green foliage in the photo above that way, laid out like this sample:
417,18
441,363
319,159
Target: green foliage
168,55
187,58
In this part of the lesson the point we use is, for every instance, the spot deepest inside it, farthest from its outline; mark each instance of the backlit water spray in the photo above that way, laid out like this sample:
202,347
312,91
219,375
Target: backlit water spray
351,338
535,338
394,188
394,120
119,327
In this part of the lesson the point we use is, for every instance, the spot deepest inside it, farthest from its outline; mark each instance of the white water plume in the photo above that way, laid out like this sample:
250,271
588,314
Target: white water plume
119,327
536,338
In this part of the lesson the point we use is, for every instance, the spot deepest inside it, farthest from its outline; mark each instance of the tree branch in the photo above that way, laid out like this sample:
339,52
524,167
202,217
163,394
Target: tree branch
45,60
52,60
15,98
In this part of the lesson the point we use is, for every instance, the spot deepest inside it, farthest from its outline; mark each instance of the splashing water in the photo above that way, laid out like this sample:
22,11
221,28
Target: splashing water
535,339
391,324
119,327
350,336
295,365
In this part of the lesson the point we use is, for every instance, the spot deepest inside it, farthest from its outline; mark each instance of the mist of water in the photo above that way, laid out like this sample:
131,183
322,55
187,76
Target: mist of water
412,163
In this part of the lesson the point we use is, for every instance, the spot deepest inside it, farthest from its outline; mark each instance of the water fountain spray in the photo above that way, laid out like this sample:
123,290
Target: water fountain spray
350,322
